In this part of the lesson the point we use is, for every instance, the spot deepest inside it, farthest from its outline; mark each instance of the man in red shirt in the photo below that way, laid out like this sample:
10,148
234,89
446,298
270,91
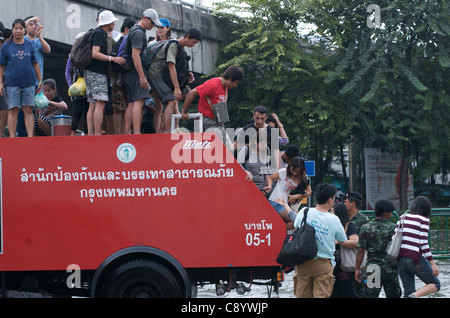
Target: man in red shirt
216,89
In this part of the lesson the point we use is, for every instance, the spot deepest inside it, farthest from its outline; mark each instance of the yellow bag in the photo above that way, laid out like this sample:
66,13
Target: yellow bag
78,88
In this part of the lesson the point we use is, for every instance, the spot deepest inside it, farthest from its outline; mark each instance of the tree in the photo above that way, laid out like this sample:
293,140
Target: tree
398,72
284,72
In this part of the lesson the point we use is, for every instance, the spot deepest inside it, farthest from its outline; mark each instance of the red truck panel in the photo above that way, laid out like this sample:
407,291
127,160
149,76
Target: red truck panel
77,200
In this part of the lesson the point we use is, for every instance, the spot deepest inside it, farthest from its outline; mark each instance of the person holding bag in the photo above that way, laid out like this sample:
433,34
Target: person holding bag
212,92
415,258
314,278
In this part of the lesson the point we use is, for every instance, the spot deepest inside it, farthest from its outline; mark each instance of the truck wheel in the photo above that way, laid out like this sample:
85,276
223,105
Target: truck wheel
141,279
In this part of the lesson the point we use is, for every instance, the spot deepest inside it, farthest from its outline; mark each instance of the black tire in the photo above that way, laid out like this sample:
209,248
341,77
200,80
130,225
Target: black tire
141,279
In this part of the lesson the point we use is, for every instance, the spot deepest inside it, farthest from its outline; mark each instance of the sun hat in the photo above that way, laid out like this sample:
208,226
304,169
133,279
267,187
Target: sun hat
106,17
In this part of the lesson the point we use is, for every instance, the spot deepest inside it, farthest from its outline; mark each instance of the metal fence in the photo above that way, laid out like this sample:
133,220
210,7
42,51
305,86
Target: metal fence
438,238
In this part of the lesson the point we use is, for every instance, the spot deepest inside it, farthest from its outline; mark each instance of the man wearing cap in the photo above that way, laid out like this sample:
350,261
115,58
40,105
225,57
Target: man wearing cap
374,238
95,74
352,201
135,80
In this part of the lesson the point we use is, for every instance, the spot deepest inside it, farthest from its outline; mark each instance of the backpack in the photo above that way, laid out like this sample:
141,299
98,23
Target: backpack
152,49
119,50
81,53
181,65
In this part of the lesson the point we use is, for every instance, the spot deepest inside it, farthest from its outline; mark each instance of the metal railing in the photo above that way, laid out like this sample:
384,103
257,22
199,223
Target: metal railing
439,228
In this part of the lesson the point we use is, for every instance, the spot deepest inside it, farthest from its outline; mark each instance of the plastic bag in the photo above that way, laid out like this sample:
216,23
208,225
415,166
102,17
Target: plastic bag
40,101
78,88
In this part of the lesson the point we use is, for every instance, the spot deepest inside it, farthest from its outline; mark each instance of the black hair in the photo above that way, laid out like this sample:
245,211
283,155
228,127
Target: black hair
127,23
21,22
261,110
297,162
340,210
421,206
233,73
356,200
324,192
50,82
270,119
292,151
194,33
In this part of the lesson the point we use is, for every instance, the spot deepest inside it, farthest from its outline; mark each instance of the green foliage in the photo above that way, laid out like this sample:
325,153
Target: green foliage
384,87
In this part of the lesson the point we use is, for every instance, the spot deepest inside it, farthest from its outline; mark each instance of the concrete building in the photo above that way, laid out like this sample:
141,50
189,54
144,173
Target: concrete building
64,19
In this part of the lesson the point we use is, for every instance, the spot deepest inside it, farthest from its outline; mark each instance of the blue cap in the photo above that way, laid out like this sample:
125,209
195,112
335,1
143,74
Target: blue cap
165,22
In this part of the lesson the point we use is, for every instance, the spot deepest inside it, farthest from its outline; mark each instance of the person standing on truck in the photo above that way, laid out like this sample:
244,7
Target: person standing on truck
96,73
34,33
21,67
135,80
166,61
215,90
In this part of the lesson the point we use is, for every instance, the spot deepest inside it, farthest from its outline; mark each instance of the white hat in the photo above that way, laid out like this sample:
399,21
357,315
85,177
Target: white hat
106,17
153,15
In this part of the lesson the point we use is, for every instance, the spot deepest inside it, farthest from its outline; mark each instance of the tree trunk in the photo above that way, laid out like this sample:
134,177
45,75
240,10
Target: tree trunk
404,177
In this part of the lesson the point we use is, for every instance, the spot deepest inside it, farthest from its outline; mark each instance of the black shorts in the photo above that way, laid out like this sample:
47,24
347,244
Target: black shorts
162,90
133,87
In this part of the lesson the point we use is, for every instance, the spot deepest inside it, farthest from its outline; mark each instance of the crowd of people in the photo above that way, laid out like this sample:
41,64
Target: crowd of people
114,102
341,225
154,85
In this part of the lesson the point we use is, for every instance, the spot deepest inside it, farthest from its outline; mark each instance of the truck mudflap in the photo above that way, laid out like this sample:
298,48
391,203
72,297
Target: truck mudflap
78,200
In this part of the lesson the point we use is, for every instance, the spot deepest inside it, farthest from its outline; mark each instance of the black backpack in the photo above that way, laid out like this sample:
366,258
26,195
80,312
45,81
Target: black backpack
81,53
181,65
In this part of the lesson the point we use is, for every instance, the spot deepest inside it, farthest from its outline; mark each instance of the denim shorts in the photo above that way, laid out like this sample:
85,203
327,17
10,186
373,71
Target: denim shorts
407,269
20,96
278,207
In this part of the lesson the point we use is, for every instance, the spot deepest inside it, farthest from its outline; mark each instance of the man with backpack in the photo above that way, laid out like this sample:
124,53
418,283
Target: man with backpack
168,75
135,80
96,72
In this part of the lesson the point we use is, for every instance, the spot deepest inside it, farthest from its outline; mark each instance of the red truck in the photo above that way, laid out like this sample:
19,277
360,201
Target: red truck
131,216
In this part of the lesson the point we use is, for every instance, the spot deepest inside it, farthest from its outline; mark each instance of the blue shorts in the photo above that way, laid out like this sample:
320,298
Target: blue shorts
278,207
20,96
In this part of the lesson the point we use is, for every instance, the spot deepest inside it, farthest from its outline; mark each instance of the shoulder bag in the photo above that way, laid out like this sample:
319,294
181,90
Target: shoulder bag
348,258
393,248
300,247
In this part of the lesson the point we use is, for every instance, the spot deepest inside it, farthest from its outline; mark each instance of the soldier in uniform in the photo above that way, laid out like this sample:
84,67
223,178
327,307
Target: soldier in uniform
352,201
374,238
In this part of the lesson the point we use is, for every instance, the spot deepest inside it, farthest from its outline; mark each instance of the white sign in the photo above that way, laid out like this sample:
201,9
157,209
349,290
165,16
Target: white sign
383,178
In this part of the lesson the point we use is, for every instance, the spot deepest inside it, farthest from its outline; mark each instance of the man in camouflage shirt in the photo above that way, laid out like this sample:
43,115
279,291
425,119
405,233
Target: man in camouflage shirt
374,238
352,201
